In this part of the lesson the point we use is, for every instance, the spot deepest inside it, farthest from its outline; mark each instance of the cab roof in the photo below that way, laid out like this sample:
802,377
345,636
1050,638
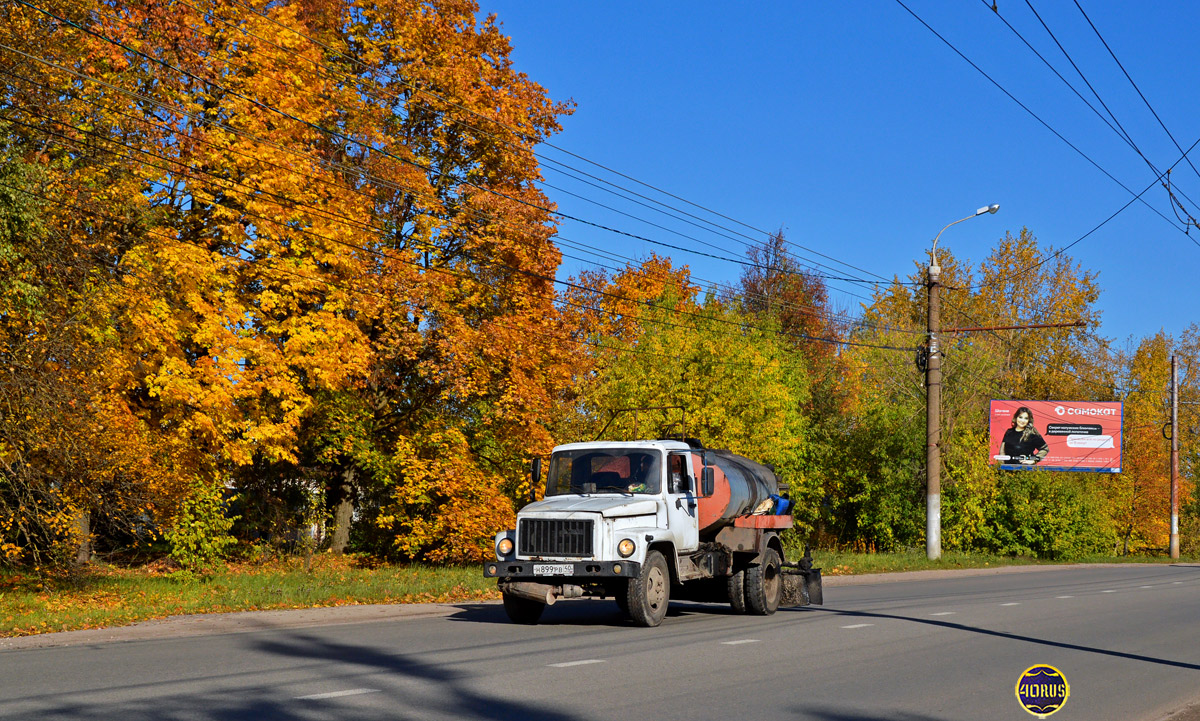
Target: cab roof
663,445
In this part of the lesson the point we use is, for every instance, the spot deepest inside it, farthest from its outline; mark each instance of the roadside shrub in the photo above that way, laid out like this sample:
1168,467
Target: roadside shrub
200,534
1054,516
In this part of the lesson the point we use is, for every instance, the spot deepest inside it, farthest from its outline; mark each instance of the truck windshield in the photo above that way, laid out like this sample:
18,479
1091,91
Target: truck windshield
604,471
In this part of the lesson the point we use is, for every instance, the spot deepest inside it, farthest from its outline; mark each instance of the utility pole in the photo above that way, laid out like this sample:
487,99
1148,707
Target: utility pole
933,421
933,401
1174,457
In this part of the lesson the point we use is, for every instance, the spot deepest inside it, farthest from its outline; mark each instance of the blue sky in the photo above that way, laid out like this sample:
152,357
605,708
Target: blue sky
860,133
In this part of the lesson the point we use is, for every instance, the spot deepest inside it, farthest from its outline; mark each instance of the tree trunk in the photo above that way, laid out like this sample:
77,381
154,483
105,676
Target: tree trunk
83,530
343,513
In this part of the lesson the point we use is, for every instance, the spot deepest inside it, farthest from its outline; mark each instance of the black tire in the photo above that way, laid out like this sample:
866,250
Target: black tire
649,594
522,610
764,584
736,585
622,599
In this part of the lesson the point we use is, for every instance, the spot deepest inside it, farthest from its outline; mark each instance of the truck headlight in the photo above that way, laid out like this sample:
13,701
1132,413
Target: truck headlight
504,547
626,547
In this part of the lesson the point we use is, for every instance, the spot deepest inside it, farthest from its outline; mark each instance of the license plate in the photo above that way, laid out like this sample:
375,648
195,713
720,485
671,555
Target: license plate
553,569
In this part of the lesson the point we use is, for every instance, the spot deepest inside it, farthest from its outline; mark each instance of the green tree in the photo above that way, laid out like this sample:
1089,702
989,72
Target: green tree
709,369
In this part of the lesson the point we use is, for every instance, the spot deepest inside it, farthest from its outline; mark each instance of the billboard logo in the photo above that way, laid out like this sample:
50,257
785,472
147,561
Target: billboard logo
1042,690
1060,410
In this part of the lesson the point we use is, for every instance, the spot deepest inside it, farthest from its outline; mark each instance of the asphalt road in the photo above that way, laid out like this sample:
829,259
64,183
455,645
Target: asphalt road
918,648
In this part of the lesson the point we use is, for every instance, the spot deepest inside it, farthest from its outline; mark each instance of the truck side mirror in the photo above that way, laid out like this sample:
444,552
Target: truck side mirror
707,481
535,474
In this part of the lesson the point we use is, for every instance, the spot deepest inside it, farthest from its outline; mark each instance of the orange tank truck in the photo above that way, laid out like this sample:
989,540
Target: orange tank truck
645,522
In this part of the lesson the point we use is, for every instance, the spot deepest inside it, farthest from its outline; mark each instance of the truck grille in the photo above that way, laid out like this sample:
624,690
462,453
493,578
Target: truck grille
553,537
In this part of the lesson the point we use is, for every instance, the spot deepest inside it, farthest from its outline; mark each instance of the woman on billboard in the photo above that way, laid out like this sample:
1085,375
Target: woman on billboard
1022,442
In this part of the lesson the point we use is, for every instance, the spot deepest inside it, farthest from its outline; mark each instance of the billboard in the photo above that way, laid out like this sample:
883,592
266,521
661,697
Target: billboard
1055,435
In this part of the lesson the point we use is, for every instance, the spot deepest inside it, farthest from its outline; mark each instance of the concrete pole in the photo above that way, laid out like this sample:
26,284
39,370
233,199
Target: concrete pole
933,421
933,401
1174,457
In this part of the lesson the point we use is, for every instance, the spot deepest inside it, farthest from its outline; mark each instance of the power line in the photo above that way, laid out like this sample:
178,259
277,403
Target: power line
184,113
522,148
1102,223
331,284
471,111
250,136
349,139
1135,85
1119,129
1100,384
369,228
1123,132
1035,116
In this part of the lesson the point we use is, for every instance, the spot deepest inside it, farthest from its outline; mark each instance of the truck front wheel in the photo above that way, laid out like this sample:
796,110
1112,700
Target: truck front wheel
764,584
522,610
648,595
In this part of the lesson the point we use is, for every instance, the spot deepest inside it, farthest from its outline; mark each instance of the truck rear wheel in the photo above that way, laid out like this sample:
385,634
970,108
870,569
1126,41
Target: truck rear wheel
736,585
764,584
649,594
522,610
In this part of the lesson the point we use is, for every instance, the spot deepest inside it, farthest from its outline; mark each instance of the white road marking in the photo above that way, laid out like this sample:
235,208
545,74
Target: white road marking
1108,590
943,613
1013,603
1145,586
1064,597
338,694
739,642
1176,583
576,663
859,625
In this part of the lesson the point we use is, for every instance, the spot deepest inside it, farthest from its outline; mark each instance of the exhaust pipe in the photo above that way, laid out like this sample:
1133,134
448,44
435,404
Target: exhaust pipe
541,592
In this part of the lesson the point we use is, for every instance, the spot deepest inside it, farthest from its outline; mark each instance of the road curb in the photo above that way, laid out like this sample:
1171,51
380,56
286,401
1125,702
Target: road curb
239,622
935,574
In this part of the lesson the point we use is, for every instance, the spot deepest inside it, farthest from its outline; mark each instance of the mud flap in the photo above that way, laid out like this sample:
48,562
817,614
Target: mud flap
813,588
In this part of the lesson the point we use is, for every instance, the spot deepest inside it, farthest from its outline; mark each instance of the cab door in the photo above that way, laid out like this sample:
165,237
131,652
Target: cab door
681,502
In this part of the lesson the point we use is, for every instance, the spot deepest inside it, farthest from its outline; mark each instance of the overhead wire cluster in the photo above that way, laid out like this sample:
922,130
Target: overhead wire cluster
605,258
1185,219
812,268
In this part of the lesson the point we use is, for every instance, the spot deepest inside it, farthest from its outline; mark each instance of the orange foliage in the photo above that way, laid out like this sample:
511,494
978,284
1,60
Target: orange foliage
297,204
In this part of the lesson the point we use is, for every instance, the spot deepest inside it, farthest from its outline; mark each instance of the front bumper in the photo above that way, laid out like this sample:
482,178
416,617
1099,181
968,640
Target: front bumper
581,571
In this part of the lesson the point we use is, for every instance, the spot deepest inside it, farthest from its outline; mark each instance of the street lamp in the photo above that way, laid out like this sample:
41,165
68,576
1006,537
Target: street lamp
933,402
986,209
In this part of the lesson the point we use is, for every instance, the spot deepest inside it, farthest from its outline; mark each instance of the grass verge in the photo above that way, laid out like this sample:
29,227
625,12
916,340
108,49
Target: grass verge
108,596
847,563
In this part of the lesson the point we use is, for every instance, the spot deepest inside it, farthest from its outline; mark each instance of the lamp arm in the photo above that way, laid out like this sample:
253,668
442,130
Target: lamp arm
933,253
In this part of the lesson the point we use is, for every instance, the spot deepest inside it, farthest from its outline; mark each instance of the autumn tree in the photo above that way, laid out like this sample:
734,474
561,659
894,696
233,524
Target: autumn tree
1139,496
74,463
663,359
774,284
329,261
